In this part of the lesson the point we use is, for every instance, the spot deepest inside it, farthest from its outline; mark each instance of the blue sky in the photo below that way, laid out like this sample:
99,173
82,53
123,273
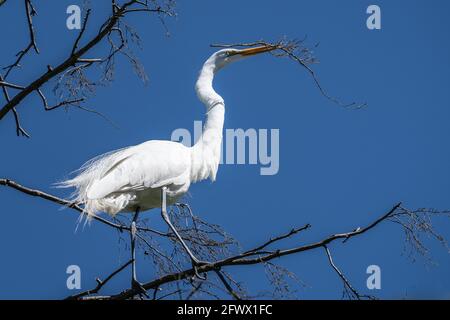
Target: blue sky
339,169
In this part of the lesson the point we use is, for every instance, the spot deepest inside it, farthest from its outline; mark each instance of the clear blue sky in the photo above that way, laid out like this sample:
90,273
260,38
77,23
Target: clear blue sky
339,169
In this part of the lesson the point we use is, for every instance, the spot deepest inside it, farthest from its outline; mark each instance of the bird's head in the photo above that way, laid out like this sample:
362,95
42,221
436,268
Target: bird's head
226,56
217,61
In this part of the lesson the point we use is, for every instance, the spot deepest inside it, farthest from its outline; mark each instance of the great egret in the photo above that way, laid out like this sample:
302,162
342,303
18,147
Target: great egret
156,173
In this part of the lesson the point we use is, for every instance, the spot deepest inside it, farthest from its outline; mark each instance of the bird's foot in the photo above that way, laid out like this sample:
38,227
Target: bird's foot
196,264
183,206
138,288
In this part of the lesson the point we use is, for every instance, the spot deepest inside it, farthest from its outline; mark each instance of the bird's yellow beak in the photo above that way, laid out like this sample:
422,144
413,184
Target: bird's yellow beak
256,50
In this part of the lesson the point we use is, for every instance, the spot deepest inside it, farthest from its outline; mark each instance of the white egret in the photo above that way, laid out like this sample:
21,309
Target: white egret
156,173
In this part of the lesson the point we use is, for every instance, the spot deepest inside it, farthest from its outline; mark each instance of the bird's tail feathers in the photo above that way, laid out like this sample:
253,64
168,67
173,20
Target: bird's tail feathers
85,176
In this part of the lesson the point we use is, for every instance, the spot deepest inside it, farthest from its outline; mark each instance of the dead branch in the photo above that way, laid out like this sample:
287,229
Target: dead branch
19,129
349,291
298,52
227,285
10,85
100,283
273,240
83,29
29,12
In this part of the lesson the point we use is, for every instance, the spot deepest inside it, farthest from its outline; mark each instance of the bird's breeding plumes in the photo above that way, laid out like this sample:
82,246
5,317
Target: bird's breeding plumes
90,172
131,178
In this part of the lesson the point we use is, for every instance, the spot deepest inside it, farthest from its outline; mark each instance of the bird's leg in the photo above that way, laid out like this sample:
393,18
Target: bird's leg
135,285
195,262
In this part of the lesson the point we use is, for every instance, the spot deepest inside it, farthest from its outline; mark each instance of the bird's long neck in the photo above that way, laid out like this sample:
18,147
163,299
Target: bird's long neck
206,151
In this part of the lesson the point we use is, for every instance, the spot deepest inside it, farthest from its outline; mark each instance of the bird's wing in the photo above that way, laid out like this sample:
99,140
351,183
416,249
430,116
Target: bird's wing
150,165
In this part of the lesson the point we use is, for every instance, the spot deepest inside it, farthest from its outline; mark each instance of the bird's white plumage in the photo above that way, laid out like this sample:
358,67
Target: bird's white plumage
132,178
148,165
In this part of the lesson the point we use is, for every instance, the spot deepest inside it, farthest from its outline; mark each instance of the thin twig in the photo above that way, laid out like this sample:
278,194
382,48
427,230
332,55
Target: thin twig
20,131
347,284
284,236
11,85
83,28
100,283
302,55
227,285
64,103
29,11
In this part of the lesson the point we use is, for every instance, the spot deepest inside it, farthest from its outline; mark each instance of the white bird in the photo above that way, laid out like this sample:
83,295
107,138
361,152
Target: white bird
157,173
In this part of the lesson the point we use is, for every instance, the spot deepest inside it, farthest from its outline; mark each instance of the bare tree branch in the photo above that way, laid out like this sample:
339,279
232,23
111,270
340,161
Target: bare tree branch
69,204
30,12
10,85
287,235
415,221
76,56
49,197
100,284
245,258
19,129
298,52
227,285
64,103
83,29
348,288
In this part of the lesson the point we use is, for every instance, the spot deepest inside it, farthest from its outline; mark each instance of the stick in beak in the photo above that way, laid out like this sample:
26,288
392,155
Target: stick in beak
256,50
